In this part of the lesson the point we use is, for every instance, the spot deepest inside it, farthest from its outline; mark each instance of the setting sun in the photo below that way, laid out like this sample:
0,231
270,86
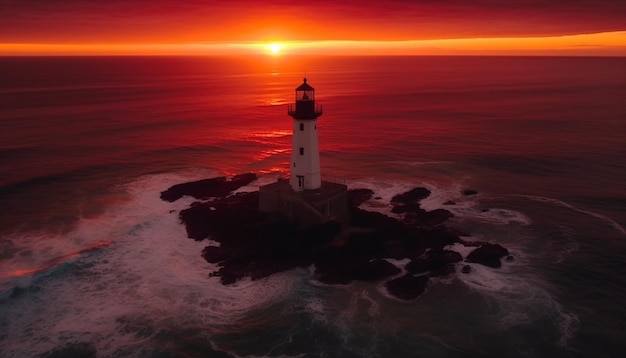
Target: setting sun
275,48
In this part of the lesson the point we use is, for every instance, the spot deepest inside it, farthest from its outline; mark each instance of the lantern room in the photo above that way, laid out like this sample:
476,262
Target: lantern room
305,92
305,103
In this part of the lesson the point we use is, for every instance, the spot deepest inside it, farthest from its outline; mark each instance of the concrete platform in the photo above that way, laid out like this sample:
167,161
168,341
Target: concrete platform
308,207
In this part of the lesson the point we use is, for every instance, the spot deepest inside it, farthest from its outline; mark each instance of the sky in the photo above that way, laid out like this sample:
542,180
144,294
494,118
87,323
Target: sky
592,27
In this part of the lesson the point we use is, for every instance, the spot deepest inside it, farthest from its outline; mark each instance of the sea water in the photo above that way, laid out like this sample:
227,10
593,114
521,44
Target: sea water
91,260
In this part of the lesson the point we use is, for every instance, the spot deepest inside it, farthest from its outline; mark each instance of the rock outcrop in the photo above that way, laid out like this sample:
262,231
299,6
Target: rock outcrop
208,188
488,255
407,287
256,245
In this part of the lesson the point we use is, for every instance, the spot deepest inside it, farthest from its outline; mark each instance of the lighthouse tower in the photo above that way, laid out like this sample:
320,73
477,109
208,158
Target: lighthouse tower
305,199
305,155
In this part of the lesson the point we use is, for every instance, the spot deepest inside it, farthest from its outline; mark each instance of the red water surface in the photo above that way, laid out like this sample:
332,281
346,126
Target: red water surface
75,127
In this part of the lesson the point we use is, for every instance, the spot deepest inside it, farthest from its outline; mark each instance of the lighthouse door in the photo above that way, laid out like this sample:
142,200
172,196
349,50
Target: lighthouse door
300,181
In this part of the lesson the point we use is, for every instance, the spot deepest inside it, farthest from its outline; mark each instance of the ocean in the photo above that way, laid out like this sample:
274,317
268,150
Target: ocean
94,264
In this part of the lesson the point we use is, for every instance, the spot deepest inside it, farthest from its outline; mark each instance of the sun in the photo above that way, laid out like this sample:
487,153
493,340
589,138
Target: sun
275,48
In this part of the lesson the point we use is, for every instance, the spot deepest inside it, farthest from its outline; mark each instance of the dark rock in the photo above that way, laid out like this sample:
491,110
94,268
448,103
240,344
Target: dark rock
449,202
459,232
433,260
336,265
408,207
369,219
466,269
468,192
408,204
256,245
222,217
427,218
375,270
407,287
214,254
368,244
488,255
510,258
437,237
357,197
412,195
419,265
208,188
443,271
320,234
392,242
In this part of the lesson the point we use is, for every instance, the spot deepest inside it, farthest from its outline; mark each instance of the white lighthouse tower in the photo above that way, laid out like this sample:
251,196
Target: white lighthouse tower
305,155
305,199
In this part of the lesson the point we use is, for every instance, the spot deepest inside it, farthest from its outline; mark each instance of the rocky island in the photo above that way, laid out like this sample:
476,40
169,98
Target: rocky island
256,244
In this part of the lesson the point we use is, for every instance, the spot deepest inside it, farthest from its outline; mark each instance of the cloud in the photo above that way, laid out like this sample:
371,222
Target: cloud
172,21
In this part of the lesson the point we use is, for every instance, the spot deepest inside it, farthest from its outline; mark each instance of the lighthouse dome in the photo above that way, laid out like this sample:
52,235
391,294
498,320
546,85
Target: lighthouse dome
305,86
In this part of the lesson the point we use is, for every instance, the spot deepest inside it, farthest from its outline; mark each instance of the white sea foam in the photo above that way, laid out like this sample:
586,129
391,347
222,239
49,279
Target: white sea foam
373,307
399,264
465,206
261,180
462,249
440,195
150,275
521,296
564,204
499,216
41,253
469,207
316,308
383,192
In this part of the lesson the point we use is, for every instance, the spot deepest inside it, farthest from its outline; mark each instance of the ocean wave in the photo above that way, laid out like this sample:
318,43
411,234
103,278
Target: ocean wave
449,197
470,207
564,204
383,192
149,279
521,295
424,163
316,309
145,268
20,279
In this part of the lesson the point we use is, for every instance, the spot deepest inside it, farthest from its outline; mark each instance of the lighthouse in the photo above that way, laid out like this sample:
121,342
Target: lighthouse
305,199
305,155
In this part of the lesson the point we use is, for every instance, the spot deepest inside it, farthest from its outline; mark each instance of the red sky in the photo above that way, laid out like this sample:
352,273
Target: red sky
97,25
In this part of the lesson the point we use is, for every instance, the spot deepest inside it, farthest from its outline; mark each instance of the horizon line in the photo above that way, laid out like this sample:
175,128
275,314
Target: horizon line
603,44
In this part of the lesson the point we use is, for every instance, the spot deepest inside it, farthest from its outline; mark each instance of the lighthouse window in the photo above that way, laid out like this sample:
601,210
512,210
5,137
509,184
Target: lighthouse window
294,164
301,126
316,127
301,150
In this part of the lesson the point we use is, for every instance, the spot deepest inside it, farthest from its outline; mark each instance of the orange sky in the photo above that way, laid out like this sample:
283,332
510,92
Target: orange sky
66,27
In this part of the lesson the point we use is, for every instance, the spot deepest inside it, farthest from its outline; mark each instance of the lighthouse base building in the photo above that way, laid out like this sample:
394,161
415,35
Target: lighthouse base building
308,207
305,197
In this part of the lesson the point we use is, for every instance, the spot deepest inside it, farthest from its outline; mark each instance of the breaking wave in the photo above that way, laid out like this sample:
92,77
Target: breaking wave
136,269
561,203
